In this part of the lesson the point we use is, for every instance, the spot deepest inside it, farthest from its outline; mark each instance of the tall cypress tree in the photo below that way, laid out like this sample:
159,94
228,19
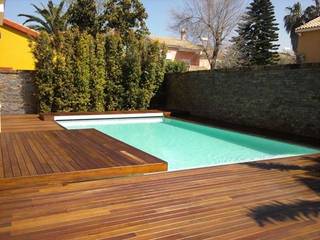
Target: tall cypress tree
125,17
84,15
257,34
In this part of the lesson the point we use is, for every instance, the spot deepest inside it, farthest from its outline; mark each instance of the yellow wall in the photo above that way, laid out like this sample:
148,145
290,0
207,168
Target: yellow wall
15,51
309,46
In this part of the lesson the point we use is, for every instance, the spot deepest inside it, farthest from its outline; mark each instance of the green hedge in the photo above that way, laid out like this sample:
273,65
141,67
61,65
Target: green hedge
175,67
78,72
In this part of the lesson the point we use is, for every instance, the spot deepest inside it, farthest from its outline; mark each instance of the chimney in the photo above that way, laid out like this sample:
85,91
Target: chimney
183,34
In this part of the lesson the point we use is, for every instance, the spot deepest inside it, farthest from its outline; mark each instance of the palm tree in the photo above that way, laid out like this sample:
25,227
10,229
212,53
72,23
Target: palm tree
51,18
312,12
293,20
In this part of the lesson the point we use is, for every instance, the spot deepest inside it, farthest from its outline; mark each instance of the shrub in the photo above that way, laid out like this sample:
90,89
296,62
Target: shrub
44,54
175,66
98,74
76,71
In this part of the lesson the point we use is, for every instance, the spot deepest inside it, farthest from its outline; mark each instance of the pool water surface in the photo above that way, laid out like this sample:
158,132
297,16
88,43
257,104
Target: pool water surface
186,145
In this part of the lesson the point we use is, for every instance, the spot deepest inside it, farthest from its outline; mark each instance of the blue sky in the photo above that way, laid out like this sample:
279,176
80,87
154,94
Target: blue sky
159,14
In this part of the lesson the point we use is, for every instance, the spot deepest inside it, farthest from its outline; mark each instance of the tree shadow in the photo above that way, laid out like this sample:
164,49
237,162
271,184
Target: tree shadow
274,166
282,212
312,183
295,210
312,170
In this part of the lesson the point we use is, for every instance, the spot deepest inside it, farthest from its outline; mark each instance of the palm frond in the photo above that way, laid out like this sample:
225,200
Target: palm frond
50,18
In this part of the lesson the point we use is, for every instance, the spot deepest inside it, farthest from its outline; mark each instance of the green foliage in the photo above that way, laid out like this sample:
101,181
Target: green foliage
122,16
126,16
82,73
44,79
292,21
114,89
258,34
131,73
175,67
84,15
83,69
98,74
312,11
62,74
135,70
51,18
153,71
79,72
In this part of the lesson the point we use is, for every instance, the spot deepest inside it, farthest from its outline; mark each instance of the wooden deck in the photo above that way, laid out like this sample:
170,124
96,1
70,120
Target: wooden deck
24,123
265,200
60,155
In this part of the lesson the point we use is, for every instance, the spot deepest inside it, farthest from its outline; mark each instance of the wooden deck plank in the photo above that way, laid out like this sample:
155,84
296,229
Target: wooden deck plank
35,161
1,162
28,161
63,155
5,156
18,153
55,152
242,201
25,123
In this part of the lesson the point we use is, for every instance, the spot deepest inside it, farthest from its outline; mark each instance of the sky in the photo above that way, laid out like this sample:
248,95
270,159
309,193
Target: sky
159,14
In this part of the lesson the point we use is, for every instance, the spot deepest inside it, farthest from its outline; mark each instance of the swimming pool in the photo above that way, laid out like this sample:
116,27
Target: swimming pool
186,145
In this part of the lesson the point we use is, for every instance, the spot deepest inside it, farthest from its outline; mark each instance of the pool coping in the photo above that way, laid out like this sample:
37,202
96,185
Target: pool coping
51,116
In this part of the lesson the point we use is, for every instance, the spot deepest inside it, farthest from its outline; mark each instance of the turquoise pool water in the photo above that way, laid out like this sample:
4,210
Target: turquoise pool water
186,145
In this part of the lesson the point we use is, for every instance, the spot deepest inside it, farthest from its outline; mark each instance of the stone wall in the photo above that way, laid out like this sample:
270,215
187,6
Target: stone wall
17,92
280,98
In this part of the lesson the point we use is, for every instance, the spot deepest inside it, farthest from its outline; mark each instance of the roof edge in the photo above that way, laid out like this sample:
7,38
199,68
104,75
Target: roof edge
312,25
307,29
20,28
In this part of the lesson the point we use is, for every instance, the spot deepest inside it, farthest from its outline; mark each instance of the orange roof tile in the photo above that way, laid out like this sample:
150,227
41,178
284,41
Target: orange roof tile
310,26
20,28
176,43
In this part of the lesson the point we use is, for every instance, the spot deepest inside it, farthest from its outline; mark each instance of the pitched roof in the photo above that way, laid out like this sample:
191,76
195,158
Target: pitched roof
310,26
177,43
20,28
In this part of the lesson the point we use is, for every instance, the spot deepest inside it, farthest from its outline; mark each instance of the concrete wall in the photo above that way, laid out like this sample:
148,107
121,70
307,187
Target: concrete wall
309,46
17,92
281,98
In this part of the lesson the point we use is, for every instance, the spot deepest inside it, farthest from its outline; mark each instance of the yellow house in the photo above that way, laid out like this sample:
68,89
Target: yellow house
15,51
309,41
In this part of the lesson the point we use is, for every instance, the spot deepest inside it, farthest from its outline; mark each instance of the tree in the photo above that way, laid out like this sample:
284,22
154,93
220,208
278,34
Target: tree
114,90
298,17
82,72
292,21
175,66
98,73
209,23
51,18
44,53
153,66
84,15
126,16
312,11
257,34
